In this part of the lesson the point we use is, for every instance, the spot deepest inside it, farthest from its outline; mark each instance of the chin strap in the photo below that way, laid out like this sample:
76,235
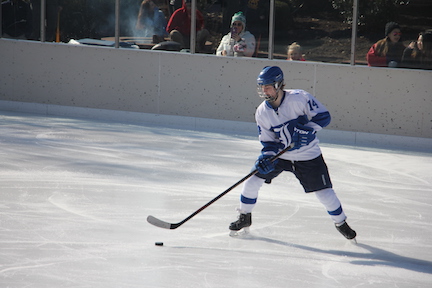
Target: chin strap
273,99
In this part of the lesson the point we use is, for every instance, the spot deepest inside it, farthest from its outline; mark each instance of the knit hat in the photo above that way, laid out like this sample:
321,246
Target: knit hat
390,26
239,16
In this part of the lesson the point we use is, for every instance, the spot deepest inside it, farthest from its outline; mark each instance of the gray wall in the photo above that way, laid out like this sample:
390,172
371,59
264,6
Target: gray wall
361,99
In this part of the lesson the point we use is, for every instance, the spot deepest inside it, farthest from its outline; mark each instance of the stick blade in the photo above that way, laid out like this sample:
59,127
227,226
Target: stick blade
158,223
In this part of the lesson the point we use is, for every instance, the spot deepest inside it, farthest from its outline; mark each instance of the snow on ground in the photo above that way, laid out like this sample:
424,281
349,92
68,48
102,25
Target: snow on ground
75,195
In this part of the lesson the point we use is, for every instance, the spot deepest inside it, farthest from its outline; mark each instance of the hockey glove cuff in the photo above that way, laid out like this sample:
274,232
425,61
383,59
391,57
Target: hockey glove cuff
264,165
302,136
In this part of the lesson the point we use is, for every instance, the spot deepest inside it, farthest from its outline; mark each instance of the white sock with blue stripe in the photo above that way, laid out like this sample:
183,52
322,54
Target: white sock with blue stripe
249,193
331,202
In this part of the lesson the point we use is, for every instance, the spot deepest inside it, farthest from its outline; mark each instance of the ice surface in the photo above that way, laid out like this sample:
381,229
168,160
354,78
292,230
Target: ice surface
75,195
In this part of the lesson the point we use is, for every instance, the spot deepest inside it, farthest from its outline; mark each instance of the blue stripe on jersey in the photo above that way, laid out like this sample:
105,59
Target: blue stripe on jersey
336,212
270,147
303,119
246,200
322,119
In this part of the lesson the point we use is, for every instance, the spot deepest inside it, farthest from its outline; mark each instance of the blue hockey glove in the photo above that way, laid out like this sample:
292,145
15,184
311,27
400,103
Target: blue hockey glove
264,165
302,136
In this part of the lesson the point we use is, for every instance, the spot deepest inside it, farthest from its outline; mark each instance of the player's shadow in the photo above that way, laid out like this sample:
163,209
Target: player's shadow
375,256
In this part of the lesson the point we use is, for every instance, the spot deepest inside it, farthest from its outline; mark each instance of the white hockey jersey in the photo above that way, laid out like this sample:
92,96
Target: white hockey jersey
276,126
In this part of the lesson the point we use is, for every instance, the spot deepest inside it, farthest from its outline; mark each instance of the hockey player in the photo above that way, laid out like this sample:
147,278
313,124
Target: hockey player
285,117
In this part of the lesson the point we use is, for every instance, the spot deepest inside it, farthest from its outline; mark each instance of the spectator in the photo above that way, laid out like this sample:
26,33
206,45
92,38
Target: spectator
238,42
17,19
388,51
151,20
179,27
295,52
419,54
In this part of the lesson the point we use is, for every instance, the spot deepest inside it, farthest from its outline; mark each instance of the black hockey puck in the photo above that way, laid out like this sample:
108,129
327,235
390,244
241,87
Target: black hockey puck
159,243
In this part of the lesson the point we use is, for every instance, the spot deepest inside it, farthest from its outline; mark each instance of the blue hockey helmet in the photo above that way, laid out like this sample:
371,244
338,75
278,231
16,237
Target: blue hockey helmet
270,75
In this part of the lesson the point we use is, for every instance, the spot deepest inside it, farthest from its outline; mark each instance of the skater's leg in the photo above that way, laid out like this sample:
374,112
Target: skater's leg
248,200
331,202
249,194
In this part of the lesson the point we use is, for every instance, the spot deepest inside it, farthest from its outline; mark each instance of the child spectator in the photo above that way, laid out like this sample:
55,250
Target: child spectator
388,51
295,52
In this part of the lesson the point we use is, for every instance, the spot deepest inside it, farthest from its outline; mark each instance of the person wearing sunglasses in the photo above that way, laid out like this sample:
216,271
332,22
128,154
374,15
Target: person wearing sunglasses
238,42
388,51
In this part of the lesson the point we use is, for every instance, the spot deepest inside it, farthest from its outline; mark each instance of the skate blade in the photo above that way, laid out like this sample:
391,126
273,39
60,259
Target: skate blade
242,232
353,241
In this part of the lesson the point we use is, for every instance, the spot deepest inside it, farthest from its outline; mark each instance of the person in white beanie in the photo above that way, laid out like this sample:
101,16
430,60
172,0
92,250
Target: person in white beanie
238,42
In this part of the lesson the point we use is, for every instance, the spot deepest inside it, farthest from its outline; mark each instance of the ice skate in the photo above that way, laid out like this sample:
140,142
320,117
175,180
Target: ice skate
346,231
241,226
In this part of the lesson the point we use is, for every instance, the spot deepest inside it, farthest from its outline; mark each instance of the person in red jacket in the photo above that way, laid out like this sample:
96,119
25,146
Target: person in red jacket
388,51
179,26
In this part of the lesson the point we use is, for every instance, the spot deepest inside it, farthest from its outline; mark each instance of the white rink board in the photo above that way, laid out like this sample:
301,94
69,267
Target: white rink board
361,99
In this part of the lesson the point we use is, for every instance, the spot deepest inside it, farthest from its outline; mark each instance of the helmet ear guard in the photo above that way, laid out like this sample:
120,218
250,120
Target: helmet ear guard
279,85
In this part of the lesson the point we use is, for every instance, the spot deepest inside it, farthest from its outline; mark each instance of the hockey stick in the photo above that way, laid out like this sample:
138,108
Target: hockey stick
162,224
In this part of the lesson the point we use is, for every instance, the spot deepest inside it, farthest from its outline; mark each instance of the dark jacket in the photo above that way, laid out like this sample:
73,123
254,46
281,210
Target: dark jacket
414,58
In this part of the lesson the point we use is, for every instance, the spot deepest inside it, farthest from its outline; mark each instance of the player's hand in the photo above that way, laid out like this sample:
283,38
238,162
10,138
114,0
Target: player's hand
302,136
264,165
